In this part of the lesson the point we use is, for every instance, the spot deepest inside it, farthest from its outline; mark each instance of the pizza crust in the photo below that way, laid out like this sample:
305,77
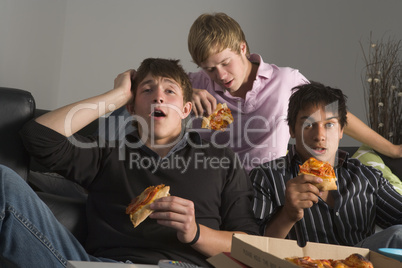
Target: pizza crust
327,184
144,211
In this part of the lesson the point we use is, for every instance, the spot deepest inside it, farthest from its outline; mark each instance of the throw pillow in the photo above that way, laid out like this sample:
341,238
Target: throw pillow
369,157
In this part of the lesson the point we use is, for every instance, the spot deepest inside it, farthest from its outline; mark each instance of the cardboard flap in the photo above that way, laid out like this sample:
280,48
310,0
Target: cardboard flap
380,260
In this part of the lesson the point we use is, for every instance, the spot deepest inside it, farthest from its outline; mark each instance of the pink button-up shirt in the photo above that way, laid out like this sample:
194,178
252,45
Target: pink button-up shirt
259,132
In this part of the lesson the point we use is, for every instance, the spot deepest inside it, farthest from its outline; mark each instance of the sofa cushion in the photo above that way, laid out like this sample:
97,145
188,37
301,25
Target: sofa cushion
369,157
56,184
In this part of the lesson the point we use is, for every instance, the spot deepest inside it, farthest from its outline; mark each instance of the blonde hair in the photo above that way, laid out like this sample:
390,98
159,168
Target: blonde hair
213,33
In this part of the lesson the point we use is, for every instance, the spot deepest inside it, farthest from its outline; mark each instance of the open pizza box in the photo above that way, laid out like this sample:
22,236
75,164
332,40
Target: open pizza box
266,252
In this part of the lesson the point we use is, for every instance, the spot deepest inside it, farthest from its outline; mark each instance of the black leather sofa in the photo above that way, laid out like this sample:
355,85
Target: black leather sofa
16,108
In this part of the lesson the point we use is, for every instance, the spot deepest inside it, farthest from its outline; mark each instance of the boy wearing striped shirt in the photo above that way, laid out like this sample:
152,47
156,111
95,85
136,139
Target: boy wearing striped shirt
288,205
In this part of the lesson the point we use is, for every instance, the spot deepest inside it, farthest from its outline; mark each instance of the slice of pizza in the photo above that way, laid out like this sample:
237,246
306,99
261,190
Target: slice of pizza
353,261
309,262
320,169
358,261
219,119
139,209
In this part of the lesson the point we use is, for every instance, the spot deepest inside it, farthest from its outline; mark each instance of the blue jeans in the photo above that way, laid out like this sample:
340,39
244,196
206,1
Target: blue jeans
387,238
30,235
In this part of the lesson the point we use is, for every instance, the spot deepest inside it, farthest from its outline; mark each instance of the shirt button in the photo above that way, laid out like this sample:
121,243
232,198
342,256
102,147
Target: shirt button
337,213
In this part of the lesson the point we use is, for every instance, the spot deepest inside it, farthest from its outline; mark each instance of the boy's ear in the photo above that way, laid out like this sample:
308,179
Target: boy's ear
341,133
243,48
187,109
292,134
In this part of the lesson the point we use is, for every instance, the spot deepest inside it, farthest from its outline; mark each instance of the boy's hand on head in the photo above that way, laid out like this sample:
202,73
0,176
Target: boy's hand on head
203,102
300,193
123,82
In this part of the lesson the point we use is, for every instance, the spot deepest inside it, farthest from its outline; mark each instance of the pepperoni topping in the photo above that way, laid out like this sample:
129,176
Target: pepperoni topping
143,199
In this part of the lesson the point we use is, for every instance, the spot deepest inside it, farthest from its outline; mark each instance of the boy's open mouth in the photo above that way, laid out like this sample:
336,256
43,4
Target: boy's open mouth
320,150
158,113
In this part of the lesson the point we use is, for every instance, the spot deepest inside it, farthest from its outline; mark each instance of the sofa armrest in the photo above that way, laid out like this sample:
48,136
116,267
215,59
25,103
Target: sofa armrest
16,108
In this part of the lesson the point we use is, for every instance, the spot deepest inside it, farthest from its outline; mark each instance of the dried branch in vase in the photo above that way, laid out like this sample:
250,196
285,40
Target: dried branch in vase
382,84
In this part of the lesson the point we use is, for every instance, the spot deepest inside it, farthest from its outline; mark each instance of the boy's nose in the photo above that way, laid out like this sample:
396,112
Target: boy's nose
220,73
321,133
158,98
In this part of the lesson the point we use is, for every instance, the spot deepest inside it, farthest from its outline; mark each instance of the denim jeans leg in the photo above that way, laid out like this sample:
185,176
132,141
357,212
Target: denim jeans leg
387,238
30,235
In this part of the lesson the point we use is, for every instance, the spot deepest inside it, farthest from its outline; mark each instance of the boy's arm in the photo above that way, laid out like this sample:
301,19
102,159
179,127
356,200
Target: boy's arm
212,242
300,193
71,118
363,133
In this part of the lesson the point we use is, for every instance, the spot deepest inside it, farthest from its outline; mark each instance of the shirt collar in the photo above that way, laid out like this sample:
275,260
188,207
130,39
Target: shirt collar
188,137
264,70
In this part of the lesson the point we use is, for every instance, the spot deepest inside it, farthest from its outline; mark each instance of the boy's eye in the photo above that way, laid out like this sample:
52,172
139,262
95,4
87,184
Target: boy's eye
329,125
307,125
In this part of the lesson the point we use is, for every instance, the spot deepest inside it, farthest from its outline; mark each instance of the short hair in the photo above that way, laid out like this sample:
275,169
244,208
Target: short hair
213,33
169,68
315,93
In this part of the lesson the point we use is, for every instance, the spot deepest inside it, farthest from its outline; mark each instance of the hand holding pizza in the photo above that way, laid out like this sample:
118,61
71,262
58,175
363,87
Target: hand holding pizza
203,102
172,211
303,191
179,214
300,193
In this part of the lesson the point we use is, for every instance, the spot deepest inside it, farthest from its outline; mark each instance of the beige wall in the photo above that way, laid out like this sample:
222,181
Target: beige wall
66,50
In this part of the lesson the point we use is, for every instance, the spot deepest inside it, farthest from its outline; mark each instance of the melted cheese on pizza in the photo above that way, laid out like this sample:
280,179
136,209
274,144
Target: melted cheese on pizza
219,119
318,168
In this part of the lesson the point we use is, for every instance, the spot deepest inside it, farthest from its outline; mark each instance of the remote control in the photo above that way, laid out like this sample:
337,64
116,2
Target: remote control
176,264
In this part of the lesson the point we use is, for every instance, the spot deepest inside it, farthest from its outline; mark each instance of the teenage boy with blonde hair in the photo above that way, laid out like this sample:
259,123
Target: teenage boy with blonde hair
255,91
210,194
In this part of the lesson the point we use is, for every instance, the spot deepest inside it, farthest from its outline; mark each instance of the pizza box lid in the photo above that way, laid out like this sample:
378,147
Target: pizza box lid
267,252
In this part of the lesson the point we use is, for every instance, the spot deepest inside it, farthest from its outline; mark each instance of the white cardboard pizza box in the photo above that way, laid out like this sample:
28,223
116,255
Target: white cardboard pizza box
225,260
265,252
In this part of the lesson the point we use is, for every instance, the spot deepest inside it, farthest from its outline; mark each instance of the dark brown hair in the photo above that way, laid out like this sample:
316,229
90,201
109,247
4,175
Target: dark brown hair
316,94
169,68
